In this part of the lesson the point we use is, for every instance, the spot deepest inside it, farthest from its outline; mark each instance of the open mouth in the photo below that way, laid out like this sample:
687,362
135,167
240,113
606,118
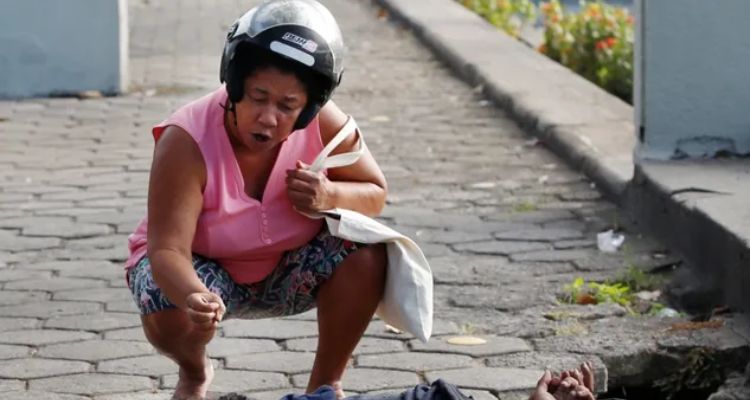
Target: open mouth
260,138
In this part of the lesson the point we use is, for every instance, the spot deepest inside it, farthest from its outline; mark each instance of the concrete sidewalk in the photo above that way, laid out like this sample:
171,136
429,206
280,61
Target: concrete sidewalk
505,224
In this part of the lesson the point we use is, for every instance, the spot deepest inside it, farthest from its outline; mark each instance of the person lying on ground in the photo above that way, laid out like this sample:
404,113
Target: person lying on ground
575,384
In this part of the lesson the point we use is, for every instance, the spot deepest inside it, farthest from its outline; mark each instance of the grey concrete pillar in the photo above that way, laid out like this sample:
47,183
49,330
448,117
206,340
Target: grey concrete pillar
50,47
692,65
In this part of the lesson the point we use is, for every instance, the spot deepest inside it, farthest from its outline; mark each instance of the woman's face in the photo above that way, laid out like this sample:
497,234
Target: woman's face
271,103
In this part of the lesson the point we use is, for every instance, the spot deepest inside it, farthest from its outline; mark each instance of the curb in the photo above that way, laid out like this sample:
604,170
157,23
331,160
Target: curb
589,128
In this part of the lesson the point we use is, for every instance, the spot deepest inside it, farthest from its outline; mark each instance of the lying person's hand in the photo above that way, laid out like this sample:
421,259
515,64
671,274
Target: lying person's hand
205,309
577,384
309,192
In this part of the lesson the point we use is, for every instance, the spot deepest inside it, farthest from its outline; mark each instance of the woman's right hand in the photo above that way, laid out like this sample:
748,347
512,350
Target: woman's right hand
205,309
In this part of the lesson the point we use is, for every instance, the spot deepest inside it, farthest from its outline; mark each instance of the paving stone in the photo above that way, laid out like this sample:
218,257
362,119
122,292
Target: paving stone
490,270
540,234
367,345
37,395
108,254
161,395
69,266
551,255
226,381
153,365
574,244
31,368
48,309
54,284
500,247
367,379
66,231
436,250
282,361
493,379
14,324
99,242
39,337
8,297
13,242
94,322
10,351
125,306
221,347
418,362
10,385
96,350
99,295
495,345
376,328
133,334
269,329
448,237
26,222
8,275
92,384
518,296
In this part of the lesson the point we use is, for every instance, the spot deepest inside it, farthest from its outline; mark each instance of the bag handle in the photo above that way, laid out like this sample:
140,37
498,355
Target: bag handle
322,161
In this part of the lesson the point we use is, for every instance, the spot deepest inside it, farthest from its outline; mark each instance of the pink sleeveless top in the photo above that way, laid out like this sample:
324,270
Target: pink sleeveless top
245,236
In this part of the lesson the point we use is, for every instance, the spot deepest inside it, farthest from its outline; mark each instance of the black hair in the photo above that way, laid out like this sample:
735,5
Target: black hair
250,58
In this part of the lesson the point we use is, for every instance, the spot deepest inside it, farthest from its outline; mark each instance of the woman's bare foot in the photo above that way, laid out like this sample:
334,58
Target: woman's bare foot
339,389
193,385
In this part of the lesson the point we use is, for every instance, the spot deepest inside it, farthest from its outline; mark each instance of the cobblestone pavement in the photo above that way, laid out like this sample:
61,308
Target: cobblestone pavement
504,223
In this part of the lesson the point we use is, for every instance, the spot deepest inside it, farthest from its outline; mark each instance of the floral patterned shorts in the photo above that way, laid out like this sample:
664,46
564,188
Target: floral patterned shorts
289,289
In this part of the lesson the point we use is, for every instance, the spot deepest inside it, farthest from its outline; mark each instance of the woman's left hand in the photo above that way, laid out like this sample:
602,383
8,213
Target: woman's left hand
309,192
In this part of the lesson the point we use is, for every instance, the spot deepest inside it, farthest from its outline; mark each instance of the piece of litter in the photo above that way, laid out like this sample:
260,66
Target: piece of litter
692,326
391,329
466,341
668,313
380,118
609,241
649,295
483,185
543,179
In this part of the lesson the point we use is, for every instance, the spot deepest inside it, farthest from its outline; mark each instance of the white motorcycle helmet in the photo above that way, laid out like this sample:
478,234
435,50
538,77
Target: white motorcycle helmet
301,31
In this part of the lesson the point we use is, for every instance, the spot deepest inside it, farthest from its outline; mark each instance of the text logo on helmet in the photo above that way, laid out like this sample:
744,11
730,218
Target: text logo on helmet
307,44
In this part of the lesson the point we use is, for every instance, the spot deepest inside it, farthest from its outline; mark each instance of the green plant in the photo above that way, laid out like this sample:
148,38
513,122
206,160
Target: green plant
638,279
596,42
580,292
525,206
611,293
508,15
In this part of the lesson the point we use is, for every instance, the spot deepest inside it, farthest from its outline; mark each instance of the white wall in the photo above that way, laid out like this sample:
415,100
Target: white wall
693,77
62,46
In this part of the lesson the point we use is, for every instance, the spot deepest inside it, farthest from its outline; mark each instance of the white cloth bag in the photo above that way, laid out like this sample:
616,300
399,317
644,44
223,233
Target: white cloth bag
407,300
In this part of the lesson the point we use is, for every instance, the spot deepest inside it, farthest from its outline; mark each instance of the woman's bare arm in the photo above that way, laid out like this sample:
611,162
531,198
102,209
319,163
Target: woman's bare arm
175,199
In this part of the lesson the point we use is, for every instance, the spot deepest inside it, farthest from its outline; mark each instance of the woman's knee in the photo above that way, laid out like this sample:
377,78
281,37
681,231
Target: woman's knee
370,262
166,328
